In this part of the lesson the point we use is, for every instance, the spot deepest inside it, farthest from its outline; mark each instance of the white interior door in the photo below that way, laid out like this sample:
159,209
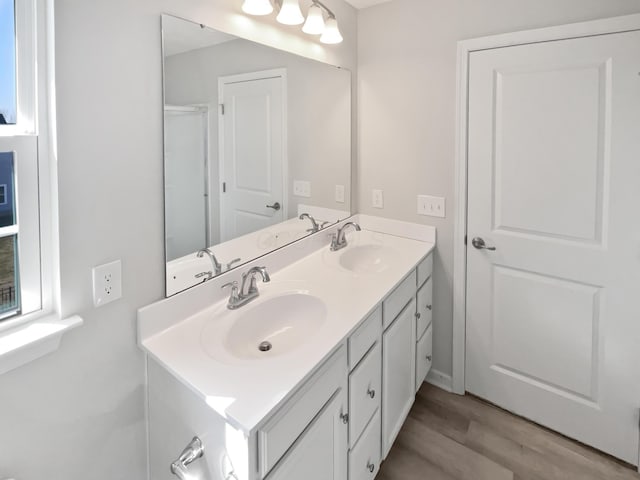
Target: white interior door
252,154
553,318
185,156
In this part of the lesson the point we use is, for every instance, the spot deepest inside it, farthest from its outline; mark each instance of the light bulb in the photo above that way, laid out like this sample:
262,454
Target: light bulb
290,13
331,33
315,21
257,7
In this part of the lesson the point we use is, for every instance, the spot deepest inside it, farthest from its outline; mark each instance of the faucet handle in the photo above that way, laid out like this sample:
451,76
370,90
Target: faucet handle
208,274
235,260
234,289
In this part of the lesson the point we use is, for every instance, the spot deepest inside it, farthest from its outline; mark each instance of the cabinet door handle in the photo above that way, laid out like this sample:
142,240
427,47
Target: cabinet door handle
371,392
418,315
429,358
371,467
429,307
344,417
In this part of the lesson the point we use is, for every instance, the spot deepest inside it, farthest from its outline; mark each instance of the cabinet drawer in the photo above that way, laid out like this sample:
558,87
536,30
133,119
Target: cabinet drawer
365,384
364,337
424,351
425,269
279,433
364,459
424,307
397,299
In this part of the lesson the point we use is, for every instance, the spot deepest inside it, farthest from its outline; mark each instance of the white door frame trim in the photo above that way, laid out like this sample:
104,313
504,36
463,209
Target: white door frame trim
465,48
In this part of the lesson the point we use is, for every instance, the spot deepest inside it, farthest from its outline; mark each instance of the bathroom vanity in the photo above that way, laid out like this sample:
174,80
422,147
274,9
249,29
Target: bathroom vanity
350,344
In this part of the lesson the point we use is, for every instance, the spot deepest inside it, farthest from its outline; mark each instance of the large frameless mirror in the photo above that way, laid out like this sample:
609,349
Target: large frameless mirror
257,150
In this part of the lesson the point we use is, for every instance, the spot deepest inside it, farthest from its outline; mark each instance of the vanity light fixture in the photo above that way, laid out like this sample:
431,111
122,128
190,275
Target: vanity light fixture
315,21
331,33
290,14
257,7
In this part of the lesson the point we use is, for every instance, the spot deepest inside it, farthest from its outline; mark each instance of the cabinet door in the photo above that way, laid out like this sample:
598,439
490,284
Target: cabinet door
424,307
321,451
424,356
398,374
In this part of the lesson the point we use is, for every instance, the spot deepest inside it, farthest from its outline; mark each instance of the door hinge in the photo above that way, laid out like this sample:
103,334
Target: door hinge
222,108
224,187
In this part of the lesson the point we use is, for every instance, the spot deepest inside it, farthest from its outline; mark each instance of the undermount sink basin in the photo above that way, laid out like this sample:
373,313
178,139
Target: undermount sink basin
268,328
366,258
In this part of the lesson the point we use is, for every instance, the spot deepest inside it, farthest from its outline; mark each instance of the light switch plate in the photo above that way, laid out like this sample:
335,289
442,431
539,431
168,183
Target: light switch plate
340,193
377,198
302,188
431,206
107,283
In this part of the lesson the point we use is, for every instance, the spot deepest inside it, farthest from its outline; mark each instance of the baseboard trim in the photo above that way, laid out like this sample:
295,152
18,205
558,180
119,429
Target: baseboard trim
440,380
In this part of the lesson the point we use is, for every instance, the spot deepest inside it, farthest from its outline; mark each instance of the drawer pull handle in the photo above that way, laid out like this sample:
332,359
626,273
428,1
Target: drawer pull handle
371,467
418,315
429,358
371,392
344,417
429,307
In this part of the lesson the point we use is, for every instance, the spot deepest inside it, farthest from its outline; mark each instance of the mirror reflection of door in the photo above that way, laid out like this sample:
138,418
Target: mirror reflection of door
185,180
252,152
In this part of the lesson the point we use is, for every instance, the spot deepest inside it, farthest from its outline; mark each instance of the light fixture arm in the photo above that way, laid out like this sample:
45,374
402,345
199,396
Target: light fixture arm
324,7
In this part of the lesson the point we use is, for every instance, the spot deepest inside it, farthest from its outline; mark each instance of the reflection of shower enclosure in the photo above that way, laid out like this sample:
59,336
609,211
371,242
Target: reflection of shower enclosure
186,186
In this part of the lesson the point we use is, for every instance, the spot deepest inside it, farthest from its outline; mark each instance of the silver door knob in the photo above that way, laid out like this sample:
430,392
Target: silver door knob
371,392
371,467
344,417
275,206
478,243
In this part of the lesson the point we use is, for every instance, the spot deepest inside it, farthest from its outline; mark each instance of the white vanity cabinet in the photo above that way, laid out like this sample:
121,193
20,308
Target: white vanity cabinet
337,421
321,451
398,374
424,315
365,394
406,348
314,419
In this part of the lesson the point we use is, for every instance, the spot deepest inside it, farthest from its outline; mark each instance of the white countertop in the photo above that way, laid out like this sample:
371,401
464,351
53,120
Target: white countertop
244,392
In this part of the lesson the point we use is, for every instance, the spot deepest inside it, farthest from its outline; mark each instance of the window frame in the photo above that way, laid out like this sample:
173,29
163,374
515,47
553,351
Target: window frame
28,140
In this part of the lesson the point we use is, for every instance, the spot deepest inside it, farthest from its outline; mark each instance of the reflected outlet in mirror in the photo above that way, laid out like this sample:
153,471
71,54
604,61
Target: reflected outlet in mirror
253,138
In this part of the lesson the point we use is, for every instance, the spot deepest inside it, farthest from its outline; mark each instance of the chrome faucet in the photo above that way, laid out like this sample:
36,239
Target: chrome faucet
314,225
248,289
339,240
217,268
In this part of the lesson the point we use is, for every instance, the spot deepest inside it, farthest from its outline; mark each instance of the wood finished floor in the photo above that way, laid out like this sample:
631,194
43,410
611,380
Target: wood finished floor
451,437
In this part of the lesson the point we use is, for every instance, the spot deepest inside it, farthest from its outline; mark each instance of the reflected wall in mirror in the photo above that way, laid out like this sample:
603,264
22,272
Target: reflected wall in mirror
255,138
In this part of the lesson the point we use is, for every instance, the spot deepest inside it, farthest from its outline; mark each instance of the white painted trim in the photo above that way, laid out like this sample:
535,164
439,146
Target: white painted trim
440,380
32,340
465,48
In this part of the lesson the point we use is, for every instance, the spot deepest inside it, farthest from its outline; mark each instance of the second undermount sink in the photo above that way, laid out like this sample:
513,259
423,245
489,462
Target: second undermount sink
267,328
366,258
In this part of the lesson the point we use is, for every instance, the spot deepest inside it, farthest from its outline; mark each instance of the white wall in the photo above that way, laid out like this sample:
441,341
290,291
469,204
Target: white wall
79,413
406,107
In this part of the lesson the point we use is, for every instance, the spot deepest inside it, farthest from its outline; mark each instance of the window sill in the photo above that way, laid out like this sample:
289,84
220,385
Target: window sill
32,340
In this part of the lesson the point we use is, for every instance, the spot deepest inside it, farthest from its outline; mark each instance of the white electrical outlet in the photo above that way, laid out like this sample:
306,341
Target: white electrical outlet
432,206
302,188
377,199
340,193
107,283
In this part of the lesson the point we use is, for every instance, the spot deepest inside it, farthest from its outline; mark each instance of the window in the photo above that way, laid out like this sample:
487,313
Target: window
20,215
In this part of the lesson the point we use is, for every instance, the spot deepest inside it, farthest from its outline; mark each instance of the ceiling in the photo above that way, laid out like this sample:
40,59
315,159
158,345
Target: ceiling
366,3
